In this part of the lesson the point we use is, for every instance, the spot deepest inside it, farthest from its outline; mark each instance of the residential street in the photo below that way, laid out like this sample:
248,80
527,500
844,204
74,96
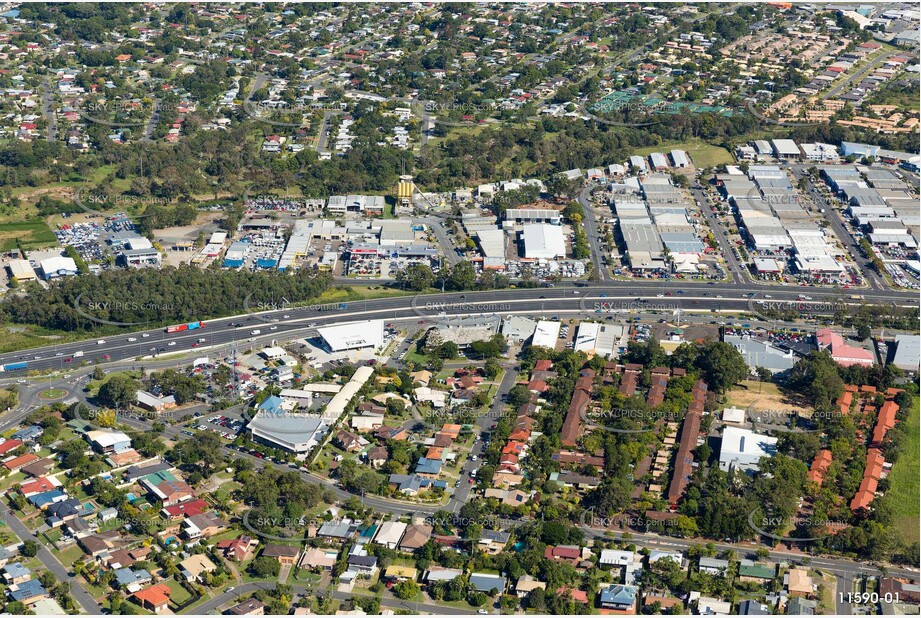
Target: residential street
52,564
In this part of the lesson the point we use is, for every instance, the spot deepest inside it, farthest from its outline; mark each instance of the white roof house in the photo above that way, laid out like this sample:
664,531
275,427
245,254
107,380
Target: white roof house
543,241
354,335
615,557
390,533
274,352
734,415
741,449
109,440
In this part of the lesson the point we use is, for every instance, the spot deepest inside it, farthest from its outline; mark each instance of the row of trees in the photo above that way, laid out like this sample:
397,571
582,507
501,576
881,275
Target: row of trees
149,296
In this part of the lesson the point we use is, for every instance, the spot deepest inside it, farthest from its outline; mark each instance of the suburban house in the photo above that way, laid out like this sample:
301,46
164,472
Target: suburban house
155,598
283,553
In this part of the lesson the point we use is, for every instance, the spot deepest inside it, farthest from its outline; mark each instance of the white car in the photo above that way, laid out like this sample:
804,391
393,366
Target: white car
171,343
145,335
473,458
132,339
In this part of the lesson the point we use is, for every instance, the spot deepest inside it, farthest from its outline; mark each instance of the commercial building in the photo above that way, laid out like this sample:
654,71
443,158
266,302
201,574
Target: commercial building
543,241
533,215
842,352
762,354
353,336
339,205
680,158
297,433
907,348
22,270
741,449
602,339
155,403
58,266
785,149
546,334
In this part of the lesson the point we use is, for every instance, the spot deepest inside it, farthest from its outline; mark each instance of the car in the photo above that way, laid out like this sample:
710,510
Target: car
20,381
132,339
145,335
473,458
69,360
105,357
59,354
286,316
171,343
471,481
195,345
154,349
482,611
273,328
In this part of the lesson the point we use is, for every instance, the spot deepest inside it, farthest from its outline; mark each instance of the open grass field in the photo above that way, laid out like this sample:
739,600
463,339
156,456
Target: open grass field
762,396
32,235
903,481
356,292
702,154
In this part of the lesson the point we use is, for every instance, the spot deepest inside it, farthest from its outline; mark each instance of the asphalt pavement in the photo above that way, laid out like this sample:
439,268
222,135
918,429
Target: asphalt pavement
51,563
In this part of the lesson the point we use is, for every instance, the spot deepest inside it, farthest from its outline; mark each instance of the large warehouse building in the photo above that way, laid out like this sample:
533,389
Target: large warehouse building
353,336
543,241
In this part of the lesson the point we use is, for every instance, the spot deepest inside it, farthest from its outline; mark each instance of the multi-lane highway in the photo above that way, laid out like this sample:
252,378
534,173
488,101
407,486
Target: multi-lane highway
293,322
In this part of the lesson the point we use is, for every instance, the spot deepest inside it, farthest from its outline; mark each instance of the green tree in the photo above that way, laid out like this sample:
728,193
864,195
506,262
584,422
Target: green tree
406,590
722,365
264,567
118,392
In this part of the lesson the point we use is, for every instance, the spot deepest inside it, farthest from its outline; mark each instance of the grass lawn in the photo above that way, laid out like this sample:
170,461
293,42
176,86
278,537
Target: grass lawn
702,154
180,596
69,555
356,292
763,395
414,357
904,479
31,234
52,393
13,479
93,386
